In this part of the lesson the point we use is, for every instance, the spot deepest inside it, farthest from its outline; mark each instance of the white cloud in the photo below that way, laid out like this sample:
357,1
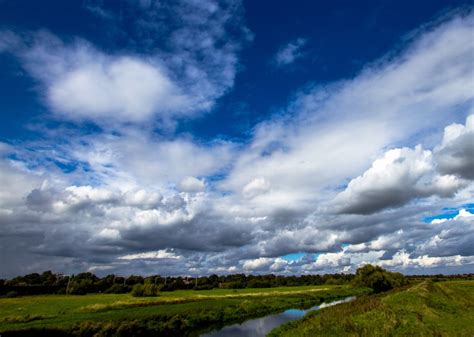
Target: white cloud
142,198
156,255
290,52
256,187
109,233
137,159
332,133
402,259
405,174
257,201
455,155
462,214
126,89
89,193
257,264
15,184
191,184
168,71
393,180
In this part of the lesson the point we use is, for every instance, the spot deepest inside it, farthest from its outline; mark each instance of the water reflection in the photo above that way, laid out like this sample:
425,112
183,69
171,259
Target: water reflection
260,327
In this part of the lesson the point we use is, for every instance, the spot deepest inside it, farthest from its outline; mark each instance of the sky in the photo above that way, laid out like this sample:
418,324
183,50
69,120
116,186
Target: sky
199,137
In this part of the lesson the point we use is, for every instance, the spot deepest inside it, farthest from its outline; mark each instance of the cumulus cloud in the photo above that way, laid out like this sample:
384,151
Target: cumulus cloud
109,234
83,83
256,187
137,158
455,155
290,52
143,199
331,133
191,184
184,77
463,213
137,198
451,236
397,178
402,260
125,89
257,264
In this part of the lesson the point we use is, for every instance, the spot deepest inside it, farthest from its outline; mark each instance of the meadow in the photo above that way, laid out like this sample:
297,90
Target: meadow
177,313
424,309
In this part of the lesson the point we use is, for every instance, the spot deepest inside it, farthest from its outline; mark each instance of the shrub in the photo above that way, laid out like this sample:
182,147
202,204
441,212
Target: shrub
11,294
140,290
378,279
233,285
255,283
150,290
204,287
167,287
118,289
137,290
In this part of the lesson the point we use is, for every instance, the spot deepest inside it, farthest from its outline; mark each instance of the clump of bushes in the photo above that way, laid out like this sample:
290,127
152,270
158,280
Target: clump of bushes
204,287
233,285
378,279
145,290
11,294
118,289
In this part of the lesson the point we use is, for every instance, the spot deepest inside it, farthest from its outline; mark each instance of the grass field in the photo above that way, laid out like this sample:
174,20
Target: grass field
184,312
425,309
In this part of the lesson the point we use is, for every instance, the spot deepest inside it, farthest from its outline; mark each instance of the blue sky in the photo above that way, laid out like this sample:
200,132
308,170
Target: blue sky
333,50
198,137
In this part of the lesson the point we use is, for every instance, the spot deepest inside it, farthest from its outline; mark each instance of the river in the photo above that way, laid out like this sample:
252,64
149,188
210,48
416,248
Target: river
260,327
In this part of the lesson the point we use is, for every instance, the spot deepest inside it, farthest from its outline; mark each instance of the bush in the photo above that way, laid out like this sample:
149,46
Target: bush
255,283
168,287
137,290
150,290
204,287
11,294
118,289
378,279
140,290
233,285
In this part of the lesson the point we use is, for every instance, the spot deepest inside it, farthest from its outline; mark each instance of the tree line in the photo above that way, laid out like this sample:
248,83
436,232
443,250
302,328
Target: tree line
86,283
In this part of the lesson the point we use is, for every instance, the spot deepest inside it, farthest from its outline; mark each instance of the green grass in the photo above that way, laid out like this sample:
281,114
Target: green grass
180,312
424,309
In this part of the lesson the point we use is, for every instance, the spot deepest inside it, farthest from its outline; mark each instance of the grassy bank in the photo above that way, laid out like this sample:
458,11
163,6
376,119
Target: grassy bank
176,313
425,309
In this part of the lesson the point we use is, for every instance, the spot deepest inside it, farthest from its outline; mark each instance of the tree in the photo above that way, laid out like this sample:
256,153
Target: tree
378,279
148,289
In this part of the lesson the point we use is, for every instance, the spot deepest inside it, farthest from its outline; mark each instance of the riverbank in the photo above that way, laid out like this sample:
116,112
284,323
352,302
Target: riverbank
424,309
260,327
180,313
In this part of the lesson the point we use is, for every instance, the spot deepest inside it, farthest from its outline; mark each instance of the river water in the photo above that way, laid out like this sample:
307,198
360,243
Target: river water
260,327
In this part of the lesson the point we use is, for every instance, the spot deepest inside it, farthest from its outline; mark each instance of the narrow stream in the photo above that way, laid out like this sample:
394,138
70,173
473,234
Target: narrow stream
260,327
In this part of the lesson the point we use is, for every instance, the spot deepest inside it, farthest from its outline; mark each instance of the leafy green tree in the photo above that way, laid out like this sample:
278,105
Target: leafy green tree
142,290
132,280
378,279
118,289
137,290
48,278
